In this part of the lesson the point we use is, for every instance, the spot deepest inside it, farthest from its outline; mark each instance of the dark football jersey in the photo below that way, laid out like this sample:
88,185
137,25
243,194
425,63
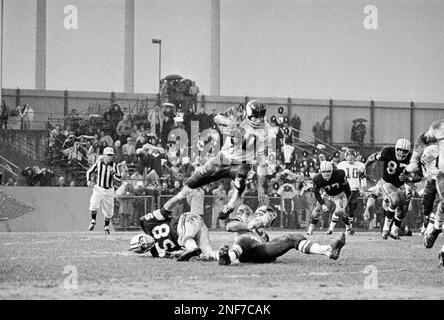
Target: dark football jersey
164,233
392,167
335,185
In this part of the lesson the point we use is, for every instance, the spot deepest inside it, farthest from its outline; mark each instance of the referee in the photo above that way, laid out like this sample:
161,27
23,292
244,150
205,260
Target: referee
103,190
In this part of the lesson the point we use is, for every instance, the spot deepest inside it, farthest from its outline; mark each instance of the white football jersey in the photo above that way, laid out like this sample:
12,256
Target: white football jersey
429,161
352,172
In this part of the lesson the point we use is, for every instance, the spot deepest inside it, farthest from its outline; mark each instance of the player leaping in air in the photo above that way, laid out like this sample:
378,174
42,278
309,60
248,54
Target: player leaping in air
434,135
392,185
252,244
336,195
249,141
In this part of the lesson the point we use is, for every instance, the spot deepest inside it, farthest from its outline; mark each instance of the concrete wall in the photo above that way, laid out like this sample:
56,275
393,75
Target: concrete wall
56,210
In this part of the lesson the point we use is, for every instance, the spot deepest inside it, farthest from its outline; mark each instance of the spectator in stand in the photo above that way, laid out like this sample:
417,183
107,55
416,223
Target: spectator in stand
93,152
123,129
295,122
168,122
20,110
155,118
325,130
219,196
28,118
193,91
289,154
4,115
129,151
118,153
54,134
140,142
44,176
61,182
137,179
107,138
103,145
204,119
72,184
317,132
115,116
10,182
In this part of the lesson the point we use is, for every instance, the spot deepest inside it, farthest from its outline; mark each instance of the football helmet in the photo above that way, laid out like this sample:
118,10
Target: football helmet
141,243
350,155
267,214
244,211
402,149
326,169
255,112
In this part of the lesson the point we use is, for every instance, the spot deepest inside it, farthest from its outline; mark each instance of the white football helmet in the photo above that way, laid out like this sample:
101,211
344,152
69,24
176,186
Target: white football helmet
141,243
255,112
402,149
326,169
267,214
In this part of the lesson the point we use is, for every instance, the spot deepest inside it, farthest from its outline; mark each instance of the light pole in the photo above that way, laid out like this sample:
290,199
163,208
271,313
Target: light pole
159,42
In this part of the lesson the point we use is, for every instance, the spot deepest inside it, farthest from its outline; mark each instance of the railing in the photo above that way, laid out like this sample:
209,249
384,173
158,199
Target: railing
11,208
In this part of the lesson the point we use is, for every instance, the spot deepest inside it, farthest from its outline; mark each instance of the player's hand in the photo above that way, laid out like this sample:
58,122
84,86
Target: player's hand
324,208
366,216
90,184
411,167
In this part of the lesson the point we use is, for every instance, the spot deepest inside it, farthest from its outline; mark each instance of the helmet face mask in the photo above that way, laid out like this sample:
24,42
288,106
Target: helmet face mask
255,113
326,169
402,149
141,243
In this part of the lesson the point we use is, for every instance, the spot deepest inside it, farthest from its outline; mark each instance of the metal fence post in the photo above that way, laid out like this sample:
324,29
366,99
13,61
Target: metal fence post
65,103
372,123
412,121
330,115
17,97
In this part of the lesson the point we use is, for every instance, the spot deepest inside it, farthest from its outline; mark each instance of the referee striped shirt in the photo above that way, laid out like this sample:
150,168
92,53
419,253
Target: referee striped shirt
104,176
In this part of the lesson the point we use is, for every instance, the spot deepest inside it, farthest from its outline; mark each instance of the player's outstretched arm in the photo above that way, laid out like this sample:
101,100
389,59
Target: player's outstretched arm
423,140
236,226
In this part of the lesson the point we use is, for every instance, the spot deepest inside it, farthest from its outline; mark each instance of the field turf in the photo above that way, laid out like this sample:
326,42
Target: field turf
32,266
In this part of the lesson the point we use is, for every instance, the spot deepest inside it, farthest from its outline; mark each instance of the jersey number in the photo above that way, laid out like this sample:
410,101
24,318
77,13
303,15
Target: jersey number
162,232
333,186
392,166
354,173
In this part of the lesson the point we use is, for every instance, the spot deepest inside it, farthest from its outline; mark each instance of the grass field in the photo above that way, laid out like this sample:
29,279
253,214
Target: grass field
32,266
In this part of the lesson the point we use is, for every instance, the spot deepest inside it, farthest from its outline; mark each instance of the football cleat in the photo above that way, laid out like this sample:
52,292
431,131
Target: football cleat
350,232
394,236
309,232
336,247
92,225
106,231
385,234
408,233
329,232
430,238
225,212
441,258
189,254
224,257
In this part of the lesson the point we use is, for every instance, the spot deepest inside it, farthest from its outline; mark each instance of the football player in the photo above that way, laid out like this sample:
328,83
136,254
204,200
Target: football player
182,237
249,141
392,185
252,244
435,134
335,196
353,171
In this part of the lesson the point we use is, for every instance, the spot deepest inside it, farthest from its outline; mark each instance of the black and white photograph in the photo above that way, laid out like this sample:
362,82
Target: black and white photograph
228,154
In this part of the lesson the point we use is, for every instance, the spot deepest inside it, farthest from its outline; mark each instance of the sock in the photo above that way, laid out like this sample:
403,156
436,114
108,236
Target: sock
438,223
309,247
107,223
93,215
190,244
235,252
351,220
388,220
334,220
311,227
396,226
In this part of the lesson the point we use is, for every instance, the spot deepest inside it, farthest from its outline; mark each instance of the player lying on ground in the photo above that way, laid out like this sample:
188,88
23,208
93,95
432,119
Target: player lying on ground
435,134
249,140
182,237
335,197
251,242
392,186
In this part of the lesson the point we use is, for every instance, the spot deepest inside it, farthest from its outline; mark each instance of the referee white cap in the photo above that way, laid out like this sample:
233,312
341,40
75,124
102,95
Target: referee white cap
108,151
